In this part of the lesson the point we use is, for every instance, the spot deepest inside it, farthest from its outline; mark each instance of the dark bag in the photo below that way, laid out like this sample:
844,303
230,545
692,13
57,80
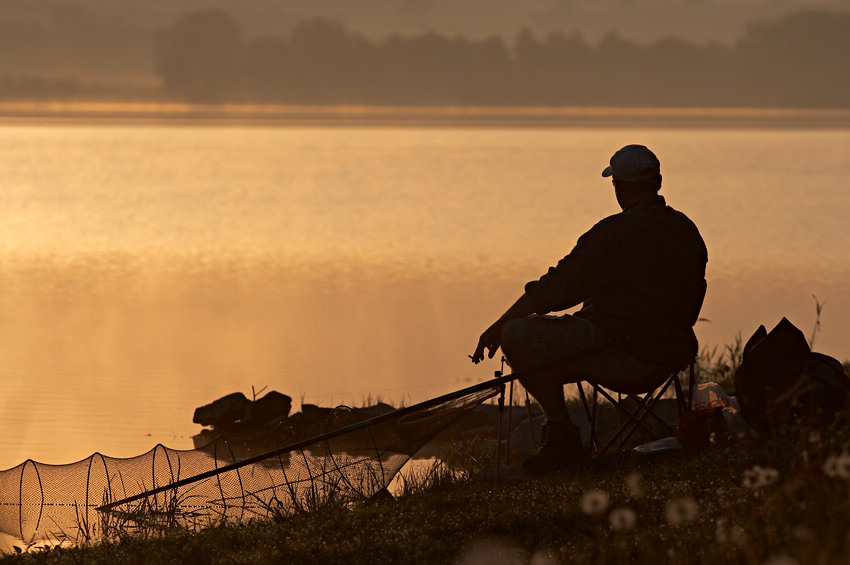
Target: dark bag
781,382
699,429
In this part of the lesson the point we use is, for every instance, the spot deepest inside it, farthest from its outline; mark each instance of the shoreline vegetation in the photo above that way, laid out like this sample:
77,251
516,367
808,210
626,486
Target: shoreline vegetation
171,113
777,501
771,500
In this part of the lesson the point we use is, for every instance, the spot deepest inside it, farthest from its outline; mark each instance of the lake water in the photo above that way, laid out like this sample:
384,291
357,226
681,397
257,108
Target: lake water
146,270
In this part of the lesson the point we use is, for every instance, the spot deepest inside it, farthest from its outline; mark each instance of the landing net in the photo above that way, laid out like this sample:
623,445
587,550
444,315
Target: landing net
226,480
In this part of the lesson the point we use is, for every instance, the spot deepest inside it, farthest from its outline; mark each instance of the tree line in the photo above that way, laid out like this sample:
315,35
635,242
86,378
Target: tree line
794,61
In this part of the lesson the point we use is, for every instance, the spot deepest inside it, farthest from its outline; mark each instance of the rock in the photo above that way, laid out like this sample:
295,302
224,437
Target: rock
375,410
272,406
225,410
312,415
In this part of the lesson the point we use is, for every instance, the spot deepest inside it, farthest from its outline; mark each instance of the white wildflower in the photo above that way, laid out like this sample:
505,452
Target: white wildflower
733,534
759,477
681,511
594,502
837,466
622,519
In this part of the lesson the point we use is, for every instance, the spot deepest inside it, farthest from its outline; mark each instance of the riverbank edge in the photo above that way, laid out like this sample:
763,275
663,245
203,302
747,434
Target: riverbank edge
15,112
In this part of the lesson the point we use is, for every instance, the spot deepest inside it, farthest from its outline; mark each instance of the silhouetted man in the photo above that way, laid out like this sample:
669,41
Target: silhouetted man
640,277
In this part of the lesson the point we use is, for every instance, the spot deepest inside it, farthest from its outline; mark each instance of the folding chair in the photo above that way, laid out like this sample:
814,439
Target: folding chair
642,407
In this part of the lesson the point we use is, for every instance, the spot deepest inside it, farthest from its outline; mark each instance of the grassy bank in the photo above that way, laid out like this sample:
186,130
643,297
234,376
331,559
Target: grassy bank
778,501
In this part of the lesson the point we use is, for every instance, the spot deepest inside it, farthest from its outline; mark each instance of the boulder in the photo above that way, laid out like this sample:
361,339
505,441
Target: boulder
375,410
225,410
273,406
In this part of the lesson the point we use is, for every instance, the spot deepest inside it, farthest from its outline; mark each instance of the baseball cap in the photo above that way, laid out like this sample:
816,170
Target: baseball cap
633,162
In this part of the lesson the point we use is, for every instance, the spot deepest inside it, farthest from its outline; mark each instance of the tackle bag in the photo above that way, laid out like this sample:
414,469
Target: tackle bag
781,382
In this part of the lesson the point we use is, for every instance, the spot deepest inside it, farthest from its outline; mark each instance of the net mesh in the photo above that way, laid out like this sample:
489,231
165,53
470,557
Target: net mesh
226,480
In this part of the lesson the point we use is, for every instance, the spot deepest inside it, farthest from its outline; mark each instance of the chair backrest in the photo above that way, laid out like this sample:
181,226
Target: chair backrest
696,306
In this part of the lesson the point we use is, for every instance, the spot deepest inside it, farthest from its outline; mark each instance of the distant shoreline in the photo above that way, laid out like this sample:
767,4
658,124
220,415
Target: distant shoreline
420,116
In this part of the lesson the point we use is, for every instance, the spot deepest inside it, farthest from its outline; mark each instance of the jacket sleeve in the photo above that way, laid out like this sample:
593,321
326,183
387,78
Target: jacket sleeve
573,280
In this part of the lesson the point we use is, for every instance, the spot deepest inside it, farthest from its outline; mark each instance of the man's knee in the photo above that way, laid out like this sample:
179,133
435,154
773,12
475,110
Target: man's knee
513,336
512,329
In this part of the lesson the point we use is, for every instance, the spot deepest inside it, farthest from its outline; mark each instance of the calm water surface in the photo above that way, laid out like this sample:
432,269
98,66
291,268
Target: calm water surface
147,270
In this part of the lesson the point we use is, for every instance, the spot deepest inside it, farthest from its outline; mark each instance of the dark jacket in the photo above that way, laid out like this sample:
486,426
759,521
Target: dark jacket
640,275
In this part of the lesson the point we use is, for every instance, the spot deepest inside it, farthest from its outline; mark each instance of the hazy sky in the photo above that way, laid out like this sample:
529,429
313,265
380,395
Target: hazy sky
696,20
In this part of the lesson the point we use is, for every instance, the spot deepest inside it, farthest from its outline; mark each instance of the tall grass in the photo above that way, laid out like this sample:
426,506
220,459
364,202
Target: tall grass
719,364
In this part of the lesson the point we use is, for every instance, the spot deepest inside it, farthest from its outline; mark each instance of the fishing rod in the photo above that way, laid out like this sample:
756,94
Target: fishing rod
498,381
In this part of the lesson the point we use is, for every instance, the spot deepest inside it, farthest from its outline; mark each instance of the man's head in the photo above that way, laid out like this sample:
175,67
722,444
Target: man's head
633,163
636,173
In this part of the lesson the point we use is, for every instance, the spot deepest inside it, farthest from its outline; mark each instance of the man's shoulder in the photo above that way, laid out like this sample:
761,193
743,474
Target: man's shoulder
622,220
658,213
604,227
683,219
631,223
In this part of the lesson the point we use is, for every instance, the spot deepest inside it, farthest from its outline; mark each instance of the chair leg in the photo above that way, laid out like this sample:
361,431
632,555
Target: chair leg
633,421
649,410
590,413
644,407
595,440
685,405
680,398
691,383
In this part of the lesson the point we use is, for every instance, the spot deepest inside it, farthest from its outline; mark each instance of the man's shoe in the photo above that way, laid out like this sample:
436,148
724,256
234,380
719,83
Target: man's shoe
561,449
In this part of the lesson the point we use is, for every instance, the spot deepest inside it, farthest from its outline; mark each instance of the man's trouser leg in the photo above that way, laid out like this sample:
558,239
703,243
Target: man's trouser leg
552,351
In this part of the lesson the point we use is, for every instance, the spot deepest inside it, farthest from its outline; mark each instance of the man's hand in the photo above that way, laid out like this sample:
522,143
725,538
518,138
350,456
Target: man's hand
490,340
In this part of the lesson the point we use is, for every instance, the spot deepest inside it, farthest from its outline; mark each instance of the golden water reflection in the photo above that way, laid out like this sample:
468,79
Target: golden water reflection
148,269
114,356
